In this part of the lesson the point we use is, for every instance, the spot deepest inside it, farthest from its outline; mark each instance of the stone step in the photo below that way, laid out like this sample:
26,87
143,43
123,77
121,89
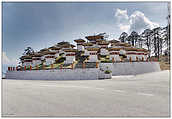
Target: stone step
87,65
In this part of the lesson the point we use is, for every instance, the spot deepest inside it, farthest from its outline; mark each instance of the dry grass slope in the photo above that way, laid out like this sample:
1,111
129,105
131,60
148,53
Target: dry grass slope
164,63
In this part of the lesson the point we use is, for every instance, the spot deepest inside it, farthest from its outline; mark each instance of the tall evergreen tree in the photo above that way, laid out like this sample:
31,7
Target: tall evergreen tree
123,37
146,36
28,51
133,38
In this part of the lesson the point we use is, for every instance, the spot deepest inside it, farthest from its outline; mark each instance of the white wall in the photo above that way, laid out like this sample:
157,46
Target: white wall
116,46
131,68
133,57
69,59
61,51
80,47
140,56
57,54
49,61
93,58
36,62
63,74
126,68
116,57
43,57
145,57
103,51
86,52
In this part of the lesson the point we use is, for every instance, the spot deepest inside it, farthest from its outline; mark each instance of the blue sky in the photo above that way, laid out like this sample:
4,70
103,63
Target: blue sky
41,25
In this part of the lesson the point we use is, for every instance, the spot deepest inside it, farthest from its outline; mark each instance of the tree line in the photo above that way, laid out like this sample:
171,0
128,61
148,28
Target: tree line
156,41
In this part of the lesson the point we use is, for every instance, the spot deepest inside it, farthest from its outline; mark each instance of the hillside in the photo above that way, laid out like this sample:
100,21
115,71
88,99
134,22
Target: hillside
164,63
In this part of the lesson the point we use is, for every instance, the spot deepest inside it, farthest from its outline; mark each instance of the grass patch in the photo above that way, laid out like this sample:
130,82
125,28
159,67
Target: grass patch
60,59
164,65
108,72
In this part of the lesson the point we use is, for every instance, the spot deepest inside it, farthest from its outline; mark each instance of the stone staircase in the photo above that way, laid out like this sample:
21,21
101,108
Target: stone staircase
66,65
78,55
81,58
87,65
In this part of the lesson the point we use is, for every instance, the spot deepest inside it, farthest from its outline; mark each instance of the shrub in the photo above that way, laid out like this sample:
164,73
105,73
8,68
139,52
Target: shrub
61,54
108,71
60,60
103,56
106,61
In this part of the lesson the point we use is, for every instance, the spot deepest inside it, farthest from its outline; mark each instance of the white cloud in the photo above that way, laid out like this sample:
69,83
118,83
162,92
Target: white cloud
122,20
7,61
137,21
124,28
121,15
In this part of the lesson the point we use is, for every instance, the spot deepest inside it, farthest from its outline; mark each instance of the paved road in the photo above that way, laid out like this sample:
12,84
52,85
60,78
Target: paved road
127,96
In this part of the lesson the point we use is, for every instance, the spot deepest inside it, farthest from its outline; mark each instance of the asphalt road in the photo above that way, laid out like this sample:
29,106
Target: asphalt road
144,95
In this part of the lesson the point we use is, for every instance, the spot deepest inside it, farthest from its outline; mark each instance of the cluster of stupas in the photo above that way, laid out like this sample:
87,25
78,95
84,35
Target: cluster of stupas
49,55
96,48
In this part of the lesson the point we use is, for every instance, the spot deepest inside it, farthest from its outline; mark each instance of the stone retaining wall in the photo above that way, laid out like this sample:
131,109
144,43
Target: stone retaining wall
63,74
131,68
125,68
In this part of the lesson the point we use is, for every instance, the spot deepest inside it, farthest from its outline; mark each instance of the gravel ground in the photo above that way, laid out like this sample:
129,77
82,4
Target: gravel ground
145,95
